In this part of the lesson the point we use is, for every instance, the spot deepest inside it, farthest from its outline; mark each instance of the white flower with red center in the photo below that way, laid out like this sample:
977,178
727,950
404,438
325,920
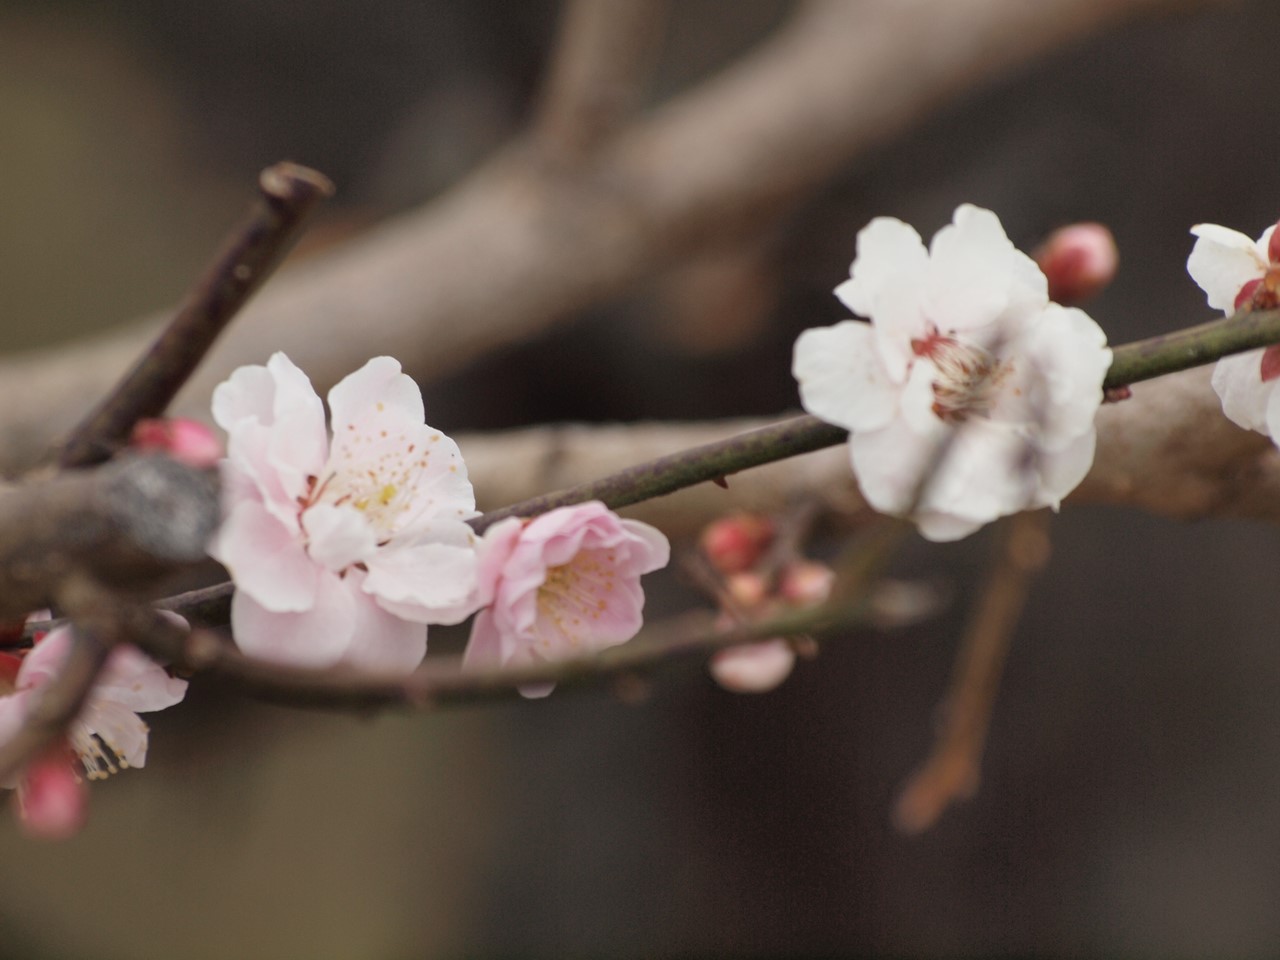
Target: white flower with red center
1235,271
341,550
962,339
563,584
107,735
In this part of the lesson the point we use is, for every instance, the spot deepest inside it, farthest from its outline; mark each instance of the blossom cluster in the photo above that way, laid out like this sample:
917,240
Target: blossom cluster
345,547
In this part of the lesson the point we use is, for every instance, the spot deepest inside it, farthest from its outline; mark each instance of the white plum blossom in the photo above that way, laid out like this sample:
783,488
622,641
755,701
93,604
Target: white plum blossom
341,549
1230,268
563,584
962,340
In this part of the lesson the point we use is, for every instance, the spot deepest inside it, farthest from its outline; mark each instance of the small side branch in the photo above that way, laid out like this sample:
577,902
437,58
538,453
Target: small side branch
289,193
605,50
953,768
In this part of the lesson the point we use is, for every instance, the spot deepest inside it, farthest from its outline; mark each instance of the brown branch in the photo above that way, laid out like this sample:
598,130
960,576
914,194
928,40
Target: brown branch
513,250
953,768
289,192
605,50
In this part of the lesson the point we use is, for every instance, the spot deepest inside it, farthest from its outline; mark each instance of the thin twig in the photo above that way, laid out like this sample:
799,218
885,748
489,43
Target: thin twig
952,769
605,50
288,193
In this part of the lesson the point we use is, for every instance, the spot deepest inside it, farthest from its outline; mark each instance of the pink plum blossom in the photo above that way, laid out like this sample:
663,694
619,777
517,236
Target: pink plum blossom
1078,261
563,584
1230,268
107,736
962,340
342,550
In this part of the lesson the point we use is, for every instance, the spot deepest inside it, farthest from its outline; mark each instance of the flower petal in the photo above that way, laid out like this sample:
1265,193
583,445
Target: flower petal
425,582
317,637
376,386
265,560
338,537
842,379
1245,397
384,641
1222,261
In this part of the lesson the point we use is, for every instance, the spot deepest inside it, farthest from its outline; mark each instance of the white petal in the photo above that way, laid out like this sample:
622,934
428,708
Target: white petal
842,380
1239,385
378,384
945,527
1067,353
266,560
318,637
975,273
1223,261
1061,471
245,395
134,680
337,537
888,464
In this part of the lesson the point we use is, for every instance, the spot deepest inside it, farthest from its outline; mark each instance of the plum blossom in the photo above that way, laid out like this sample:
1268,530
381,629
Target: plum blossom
962,340
562,584
342,550
107,736
1234,271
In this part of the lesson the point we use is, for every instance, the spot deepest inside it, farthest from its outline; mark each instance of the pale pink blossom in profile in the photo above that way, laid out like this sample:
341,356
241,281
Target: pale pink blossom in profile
753,667
1078,261
566,583
962,341
1230,268
342,550
187,441
107,736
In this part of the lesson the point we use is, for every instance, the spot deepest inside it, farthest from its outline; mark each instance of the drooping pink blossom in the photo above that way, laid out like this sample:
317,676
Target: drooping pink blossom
565,583
342,550
107,736
962,341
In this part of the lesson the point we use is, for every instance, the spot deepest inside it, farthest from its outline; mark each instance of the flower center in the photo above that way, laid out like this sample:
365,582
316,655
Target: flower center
572,595
967,376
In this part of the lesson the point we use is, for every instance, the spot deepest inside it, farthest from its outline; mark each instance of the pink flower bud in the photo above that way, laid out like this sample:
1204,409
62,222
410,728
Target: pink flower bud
1078,261
734,544
754,667
51,801
806,582
746,589
187,441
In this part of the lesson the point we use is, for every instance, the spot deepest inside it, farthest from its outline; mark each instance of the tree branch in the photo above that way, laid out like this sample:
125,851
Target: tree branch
512,250
288,193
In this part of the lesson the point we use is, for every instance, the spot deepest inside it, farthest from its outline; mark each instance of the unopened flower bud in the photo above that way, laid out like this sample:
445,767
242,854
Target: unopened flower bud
1078,261
746,589
734,544
754,667
52,801
806,582
187,441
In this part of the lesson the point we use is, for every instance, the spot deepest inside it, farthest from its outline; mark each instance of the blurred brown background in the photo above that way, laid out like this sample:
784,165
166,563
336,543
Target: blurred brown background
1131,788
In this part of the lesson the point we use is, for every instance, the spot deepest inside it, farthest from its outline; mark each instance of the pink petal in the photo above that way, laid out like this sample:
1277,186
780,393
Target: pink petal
378,385
338,537
318,637
426,583
382,641
265,560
